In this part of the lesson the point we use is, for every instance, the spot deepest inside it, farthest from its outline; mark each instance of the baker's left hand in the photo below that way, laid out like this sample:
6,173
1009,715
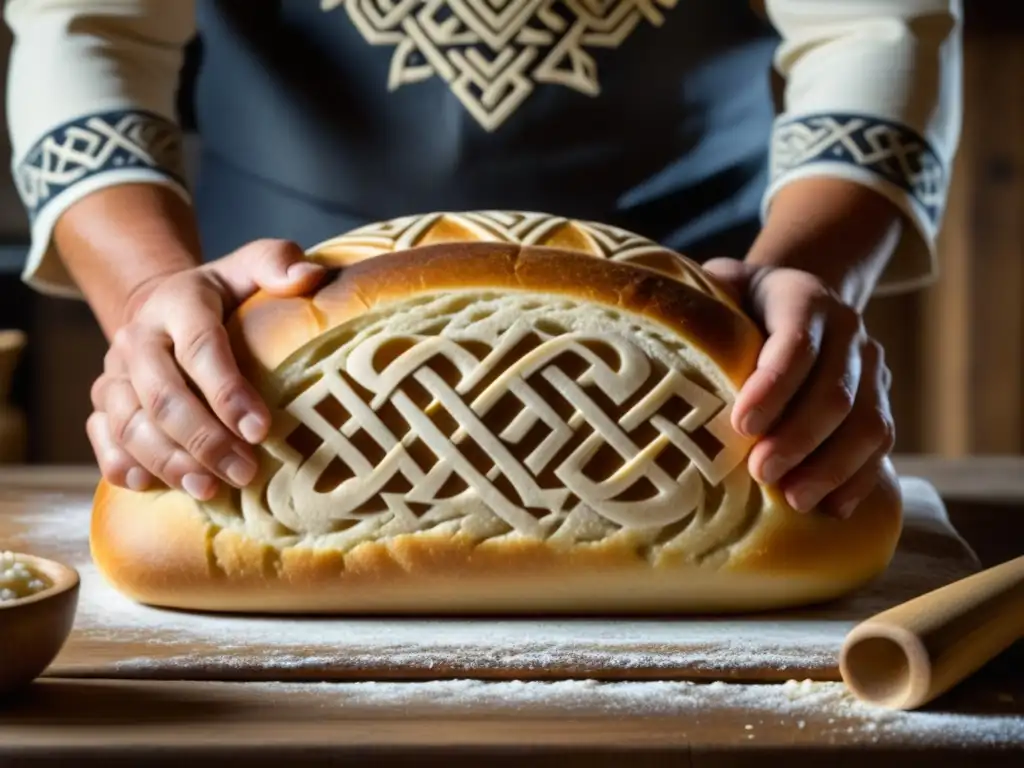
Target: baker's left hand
818,401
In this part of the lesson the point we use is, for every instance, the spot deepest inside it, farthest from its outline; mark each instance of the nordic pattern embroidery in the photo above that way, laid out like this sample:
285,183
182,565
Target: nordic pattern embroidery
890,150
492,53
97,144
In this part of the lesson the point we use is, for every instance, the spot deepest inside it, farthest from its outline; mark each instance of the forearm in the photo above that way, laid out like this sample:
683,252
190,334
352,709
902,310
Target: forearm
841,231
92,152
118,240
872,97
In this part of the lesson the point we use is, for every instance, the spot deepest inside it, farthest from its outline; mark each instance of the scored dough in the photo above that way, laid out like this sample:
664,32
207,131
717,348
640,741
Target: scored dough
466,423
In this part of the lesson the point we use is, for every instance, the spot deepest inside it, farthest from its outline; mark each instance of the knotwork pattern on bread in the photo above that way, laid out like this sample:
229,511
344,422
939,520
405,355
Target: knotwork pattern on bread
519,227
506,414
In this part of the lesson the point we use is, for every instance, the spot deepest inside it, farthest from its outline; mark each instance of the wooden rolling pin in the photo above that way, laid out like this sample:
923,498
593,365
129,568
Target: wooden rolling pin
910,654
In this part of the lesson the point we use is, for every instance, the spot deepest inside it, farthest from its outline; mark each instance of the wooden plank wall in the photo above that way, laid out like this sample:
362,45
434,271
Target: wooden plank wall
956,349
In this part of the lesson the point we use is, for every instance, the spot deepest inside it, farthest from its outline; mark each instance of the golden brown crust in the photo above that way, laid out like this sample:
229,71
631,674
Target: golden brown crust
163,548
160,549
266,330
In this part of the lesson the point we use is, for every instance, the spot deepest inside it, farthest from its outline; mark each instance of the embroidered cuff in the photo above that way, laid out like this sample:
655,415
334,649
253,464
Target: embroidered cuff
96,144
887,156
80,157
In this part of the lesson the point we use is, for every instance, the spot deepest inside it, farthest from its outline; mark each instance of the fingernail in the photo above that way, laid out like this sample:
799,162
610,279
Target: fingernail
303,269
253,428
807,496
752,423
238,469
137,479
199,487
845,510
773,469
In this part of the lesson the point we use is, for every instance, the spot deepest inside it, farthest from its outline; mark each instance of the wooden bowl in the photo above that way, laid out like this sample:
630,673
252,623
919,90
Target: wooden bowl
33,629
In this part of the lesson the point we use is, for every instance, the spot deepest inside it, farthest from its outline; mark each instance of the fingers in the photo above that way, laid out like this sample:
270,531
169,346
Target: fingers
732,275
795,321
133,433
785,362
163,458
277,266
838,474
172,397
116,465
843,502
203,350
184,421
816,410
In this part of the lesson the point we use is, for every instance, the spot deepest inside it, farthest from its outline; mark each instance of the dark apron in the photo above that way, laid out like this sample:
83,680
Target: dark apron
302,139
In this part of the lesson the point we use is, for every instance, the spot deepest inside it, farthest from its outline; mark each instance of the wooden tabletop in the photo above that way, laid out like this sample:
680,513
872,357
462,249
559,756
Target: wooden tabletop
105,722
96,722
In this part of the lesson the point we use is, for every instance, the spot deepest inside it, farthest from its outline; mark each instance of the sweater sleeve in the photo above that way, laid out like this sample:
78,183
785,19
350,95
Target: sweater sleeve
91,103
872,95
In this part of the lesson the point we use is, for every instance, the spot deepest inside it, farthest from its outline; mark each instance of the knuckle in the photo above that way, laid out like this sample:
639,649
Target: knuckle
275,251
886,378
93,422
227,395
874,347
161,464
888,436
804,345
206,444
122,338
840,399
197,342
97,390
832,476
884,428
131,337
159,400
115,466
123,430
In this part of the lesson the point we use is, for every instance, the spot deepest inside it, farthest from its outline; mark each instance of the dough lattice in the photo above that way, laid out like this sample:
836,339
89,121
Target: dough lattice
508,415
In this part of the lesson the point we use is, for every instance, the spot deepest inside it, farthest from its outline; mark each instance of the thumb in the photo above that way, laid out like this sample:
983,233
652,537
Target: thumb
277,266
732,275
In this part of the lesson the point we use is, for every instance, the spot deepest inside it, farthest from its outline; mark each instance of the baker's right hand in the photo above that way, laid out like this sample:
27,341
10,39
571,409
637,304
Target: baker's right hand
148,421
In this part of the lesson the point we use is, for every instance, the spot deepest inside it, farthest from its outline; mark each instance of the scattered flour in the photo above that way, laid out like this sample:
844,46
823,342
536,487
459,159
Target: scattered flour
184,645
803,710
265,645
181,644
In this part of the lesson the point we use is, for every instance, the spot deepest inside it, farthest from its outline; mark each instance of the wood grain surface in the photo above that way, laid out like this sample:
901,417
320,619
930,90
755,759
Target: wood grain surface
106,722
167,723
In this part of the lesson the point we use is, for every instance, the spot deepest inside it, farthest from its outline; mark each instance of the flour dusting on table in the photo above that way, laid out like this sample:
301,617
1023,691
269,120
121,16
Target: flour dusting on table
823,710
180,645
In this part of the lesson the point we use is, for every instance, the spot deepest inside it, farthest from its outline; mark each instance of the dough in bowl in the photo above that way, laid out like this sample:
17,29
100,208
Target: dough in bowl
494,412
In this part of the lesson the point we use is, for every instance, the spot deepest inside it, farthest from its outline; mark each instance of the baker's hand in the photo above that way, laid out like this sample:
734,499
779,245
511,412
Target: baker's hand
818,401
172,353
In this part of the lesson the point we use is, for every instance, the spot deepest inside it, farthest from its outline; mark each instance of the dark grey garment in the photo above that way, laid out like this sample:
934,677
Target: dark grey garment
303,139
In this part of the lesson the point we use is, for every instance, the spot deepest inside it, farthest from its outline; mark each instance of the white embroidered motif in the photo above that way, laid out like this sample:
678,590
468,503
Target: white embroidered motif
492,53
890,150
96,144
498,407
523,228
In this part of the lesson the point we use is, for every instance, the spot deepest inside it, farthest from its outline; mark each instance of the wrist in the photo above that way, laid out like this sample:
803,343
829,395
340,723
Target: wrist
137,292
120,242
842,232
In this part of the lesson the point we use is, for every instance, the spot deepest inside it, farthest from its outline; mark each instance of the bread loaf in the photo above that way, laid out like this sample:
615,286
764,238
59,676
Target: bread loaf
494,412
